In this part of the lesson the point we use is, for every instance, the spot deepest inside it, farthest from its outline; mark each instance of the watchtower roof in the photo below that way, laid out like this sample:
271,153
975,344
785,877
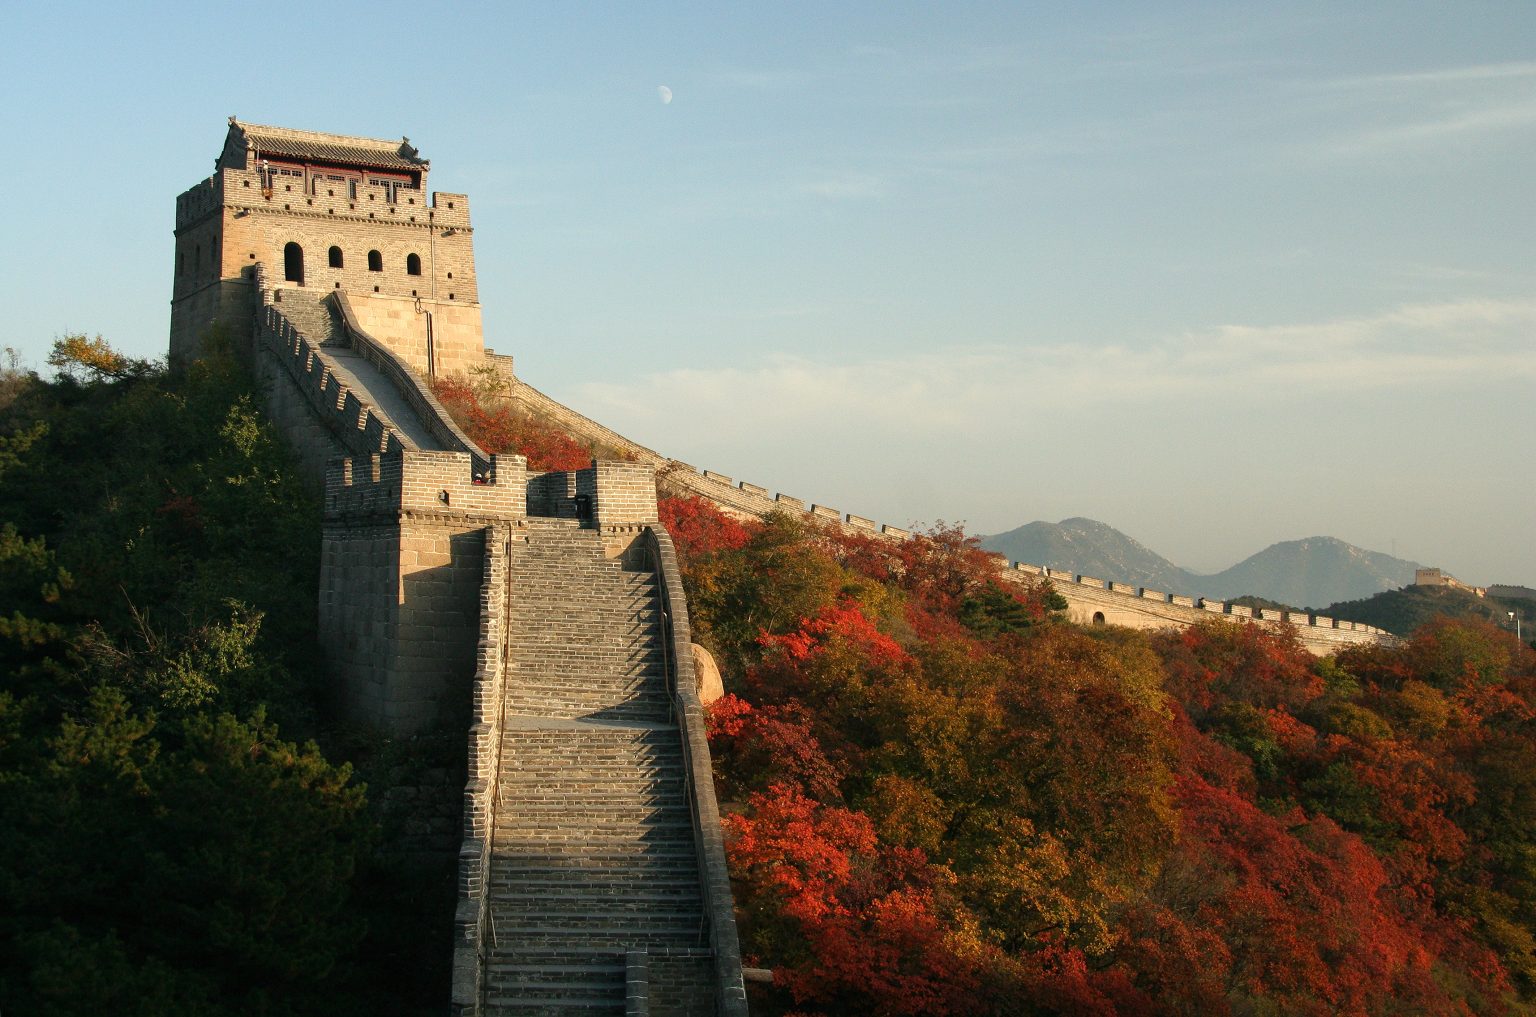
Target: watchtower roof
316,147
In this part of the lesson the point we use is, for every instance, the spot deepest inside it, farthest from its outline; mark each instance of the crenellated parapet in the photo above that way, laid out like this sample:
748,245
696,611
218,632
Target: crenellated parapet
426,484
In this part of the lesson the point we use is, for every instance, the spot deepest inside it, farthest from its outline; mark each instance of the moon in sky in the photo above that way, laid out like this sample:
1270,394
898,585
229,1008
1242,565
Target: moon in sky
665,93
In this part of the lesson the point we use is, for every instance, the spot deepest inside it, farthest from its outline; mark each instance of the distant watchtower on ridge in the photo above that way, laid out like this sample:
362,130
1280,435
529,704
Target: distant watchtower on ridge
326,212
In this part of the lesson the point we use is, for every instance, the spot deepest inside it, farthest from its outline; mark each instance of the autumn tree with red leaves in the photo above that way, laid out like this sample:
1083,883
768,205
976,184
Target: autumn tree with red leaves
499,427
943,800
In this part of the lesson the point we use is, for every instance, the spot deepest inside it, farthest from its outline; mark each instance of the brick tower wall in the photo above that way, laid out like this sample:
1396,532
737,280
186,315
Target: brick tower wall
228,224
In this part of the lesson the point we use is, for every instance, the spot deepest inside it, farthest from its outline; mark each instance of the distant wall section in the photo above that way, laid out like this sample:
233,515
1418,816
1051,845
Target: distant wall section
1089,601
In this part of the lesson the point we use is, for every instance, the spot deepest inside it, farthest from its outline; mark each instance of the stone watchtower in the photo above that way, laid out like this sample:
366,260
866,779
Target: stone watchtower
324,212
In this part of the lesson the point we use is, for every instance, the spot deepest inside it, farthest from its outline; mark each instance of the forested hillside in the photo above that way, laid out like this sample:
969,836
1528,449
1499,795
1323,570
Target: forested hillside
175,840
942,800
1402,611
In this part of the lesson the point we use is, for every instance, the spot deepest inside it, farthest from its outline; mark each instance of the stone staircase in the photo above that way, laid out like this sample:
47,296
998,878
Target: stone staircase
311,314
594,860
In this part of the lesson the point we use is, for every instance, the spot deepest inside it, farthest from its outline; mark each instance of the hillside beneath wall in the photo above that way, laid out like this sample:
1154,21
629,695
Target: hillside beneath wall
1402,611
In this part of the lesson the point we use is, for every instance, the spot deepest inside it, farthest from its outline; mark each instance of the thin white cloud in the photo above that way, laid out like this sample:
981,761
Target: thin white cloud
1423,109
1477,73
845,186
1431,347
1444,129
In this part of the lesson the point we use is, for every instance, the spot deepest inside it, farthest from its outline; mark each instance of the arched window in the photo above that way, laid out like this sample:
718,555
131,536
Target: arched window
1098,617
335,257
413,264
293,263
375,261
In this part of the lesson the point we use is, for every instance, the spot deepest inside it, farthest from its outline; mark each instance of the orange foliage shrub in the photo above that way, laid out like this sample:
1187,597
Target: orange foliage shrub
500,428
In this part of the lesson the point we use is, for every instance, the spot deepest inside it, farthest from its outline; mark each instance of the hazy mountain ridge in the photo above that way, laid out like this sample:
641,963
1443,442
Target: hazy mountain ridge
1308,572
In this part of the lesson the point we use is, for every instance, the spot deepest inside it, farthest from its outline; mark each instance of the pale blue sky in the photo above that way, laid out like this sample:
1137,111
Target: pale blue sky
1218,275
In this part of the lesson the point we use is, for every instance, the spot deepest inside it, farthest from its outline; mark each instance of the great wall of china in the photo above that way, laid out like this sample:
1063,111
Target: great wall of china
542,612
1090,601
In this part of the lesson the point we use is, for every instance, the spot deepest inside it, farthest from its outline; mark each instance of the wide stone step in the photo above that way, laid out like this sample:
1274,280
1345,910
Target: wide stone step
577,602
552,682
617,678
584,799
596,826
592,839
578,663
566,754
588,627
610,880
591,654
595,865
540,780
545,939
583,908
561,604
562,749
519,771
615,880
602,929
500,1007
589,711
585,628
584,711
596,851
535,702
564,672
620,898
578,795
525,765
525,968
571,593
522,1002
528,776
567,750
528,582
567,665
598,839
559,555
626,808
